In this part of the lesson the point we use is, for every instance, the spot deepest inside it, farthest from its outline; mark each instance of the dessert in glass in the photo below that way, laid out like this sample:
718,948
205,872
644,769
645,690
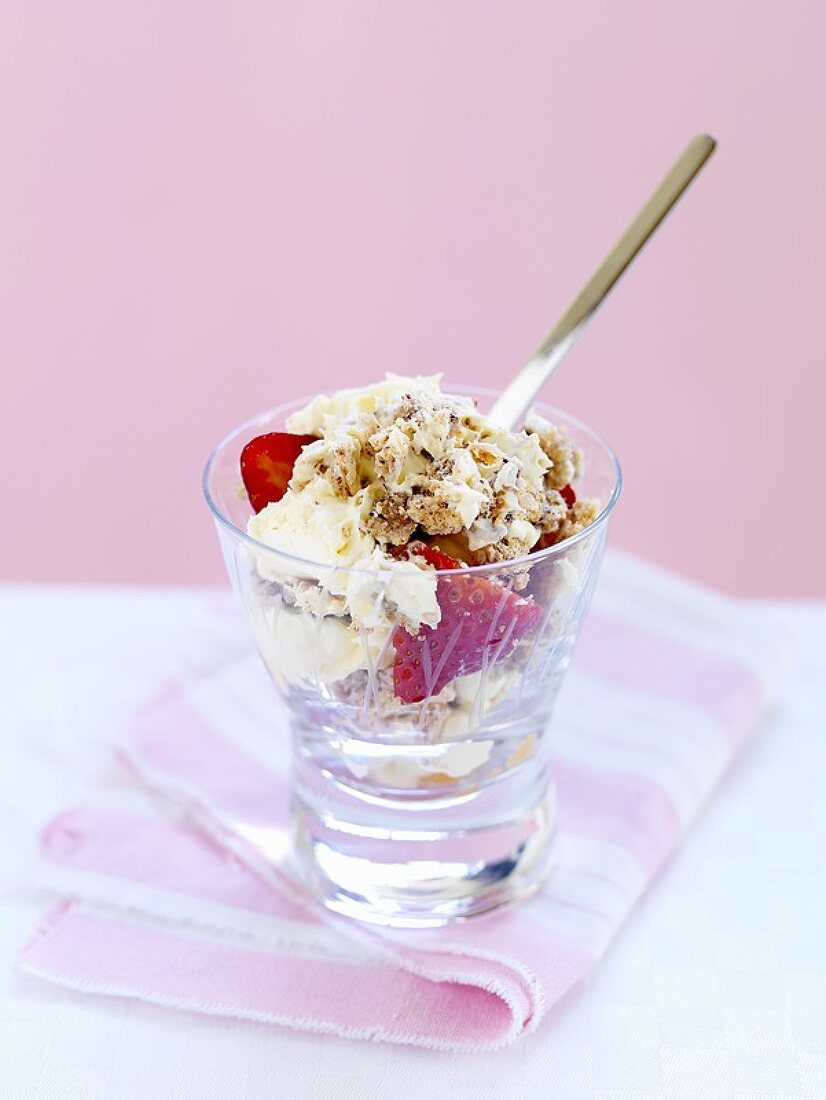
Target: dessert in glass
414,577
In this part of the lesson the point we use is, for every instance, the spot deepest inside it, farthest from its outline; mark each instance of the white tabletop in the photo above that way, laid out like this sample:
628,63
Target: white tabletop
716,988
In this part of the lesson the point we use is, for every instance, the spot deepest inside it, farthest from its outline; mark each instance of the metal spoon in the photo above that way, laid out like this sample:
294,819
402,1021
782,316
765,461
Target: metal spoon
520,394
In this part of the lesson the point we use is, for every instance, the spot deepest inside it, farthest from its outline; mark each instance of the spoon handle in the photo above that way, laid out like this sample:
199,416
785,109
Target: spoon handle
520,394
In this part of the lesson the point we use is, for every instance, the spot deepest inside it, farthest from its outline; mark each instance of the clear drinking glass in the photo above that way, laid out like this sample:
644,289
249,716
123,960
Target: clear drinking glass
421,813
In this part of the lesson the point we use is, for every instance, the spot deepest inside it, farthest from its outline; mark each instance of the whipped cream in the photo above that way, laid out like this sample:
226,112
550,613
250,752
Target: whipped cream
299,648
325,415
324,537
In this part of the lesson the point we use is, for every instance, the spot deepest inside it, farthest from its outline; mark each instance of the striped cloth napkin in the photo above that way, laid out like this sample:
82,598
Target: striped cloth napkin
175,900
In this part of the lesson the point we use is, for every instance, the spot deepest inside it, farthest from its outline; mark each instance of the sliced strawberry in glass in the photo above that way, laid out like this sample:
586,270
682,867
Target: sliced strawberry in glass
481,622
433,555
267,465
544,541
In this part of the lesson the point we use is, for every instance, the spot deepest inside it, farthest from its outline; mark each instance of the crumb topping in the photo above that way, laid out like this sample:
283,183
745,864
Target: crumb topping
421,463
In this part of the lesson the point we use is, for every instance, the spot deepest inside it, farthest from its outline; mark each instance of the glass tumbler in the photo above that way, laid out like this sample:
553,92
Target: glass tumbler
416,813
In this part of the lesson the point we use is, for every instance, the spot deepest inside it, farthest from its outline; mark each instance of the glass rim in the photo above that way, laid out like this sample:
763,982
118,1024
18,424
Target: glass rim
548,553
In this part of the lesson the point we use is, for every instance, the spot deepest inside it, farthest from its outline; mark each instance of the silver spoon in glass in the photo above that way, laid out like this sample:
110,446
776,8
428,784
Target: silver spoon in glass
515,400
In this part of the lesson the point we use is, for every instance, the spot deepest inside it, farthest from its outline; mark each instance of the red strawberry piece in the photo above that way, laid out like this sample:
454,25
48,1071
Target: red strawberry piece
427,551
544,541
568,495
481,623
267,465
433,556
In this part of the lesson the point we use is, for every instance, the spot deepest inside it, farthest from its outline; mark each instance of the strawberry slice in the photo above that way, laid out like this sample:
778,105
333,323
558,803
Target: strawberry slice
568,495
267,465
544,541
481,623
433,555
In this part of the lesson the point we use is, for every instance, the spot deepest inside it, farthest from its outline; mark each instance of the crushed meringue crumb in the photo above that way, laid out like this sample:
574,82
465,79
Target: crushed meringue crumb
424,463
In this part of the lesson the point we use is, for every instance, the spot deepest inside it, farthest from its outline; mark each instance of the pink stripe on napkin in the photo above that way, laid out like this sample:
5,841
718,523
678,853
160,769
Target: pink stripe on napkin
620,653
95,953
153,852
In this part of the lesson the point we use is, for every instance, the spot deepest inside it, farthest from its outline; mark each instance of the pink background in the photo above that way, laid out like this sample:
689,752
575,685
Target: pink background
206,209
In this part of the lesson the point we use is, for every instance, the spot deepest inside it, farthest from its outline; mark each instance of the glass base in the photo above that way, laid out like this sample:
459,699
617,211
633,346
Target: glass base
405,864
